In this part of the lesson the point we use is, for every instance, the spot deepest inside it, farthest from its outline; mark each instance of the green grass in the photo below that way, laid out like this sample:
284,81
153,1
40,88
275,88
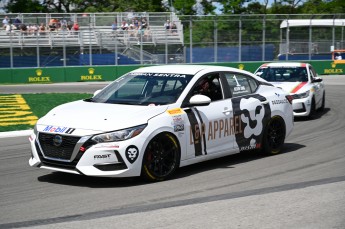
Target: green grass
40,104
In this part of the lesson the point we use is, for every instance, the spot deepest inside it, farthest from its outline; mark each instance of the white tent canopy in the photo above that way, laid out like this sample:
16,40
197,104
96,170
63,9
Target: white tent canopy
312,22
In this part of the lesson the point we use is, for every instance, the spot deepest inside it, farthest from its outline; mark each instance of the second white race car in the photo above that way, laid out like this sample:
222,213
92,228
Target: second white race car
154,120
301,81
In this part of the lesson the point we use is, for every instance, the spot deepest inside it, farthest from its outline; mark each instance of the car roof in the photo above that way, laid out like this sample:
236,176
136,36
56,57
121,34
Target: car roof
184,69
284,64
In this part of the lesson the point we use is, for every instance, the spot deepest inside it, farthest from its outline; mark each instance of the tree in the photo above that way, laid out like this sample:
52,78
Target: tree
25,6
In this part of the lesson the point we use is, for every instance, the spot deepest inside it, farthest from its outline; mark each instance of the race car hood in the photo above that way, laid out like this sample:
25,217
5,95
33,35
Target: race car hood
292,87
89,118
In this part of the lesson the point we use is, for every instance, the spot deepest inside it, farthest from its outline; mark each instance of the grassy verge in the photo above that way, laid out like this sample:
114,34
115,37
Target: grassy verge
39,105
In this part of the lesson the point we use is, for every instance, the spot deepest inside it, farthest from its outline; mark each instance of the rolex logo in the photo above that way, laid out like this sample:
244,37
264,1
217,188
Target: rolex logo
91,71
241,66
39,72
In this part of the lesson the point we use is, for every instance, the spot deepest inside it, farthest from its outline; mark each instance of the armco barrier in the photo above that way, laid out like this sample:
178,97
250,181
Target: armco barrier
109,73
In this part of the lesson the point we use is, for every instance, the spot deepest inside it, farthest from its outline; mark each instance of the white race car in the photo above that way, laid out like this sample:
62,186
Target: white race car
301,81
154,120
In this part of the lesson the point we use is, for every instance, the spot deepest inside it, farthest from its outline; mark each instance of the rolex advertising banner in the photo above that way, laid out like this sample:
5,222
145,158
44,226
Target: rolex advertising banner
109,73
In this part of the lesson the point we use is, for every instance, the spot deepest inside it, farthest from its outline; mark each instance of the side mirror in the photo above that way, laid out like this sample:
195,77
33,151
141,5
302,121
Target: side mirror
96,92
317,80
199,100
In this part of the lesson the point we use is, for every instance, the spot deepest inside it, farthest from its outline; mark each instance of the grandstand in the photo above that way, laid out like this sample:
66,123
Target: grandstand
95,36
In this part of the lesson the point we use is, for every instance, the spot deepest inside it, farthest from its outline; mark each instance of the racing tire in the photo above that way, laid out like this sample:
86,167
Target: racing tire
323,102
312,109
161,158
274,136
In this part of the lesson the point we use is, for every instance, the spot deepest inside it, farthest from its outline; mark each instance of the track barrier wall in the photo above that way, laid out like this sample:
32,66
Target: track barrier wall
109,73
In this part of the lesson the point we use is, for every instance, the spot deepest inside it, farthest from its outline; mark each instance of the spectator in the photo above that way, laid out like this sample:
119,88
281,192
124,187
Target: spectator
17,22
173,28
9,28
114,26
124,25
42,29
76,26
5,22
167,25
23,29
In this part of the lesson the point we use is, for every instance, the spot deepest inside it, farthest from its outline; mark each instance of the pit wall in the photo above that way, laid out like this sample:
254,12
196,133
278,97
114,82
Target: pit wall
109,73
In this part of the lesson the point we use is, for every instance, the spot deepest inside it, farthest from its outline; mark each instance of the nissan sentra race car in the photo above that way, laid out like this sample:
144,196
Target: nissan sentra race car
301,81
153,120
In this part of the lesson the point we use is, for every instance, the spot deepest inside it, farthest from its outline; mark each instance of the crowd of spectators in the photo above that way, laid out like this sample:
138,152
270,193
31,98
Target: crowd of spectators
54,25
136,29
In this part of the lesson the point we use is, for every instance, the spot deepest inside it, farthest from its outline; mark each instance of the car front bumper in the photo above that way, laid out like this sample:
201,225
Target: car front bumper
301,107
115,159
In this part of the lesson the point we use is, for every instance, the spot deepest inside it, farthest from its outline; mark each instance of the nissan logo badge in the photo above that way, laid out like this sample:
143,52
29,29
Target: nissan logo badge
57,140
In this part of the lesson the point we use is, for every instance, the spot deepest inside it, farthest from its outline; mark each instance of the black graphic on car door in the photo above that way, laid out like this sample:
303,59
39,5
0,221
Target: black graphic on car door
254,112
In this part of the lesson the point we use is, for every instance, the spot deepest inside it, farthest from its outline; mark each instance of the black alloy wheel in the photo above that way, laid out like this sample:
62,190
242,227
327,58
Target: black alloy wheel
161,158
274,136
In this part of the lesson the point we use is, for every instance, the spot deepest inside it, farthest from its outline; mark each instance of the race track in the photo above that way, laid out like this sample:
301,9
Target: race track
301,188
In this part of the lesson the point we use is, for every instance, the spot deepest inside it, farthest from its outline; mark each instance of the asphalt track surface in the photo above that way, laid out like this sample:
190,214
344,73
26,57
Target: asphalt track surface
301,188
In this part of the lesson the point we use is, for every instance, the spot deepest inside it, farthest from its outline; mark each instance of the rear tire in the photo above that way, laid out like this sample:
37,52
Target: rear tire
274,136
161,158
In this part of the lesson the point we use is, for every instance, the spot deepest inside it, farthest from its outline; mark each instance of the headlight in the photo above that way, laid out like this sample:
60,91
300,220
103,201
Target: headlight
119,135
302,95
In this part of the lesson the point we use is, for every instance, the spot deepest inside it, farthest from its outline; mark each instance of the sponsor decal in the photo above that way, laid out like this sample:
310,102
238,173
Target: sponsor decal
215,129
333,70
279,101
102,156
194,132
58,129
132,153
254,115
106,145
158,74
250,147
91,76
177,119
299,86
241,66
38,77
175,111
179,127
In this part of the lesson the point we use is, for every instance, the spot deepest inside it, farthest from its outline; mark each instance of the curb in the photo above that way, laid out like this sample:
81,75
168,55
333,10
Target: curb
19,133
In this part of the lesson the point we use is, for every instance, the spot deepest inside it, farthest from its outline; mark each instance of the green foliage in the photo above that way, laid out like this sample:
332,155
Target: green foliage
25,6
182,7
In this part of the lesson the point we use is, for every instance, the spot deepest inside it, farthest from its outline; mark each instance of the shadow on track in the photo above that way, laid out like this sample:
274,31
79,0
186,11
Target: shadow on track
227,162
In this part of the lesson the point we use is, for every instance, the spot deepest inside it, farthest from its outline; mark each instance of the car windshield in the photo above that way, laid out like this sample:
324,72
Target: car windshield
144,89
283,74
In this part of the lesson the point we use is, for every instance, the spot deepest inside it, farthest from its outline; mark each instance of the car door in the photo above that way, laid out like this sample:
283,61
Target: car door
212,127
252,109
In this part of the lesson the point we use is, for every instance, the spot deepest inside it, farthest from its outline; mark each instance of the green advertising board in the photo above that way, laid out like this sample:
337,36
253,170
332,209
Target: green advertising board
109,73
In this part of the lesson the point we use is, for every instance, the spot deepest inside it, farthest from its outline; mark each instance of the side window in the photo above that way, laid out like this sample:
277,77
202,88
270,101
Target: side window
241,84
209,86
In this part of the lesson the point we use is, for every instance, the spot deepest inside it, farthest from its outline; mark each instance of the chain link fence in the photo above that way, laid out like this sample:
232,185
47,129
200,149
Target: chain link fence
189,39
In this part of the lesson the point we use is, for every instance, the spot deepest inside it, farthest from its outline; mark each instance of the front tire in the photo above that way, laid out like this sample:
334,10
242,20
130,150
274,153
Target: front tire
161,158
274,136
323,102
312,109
